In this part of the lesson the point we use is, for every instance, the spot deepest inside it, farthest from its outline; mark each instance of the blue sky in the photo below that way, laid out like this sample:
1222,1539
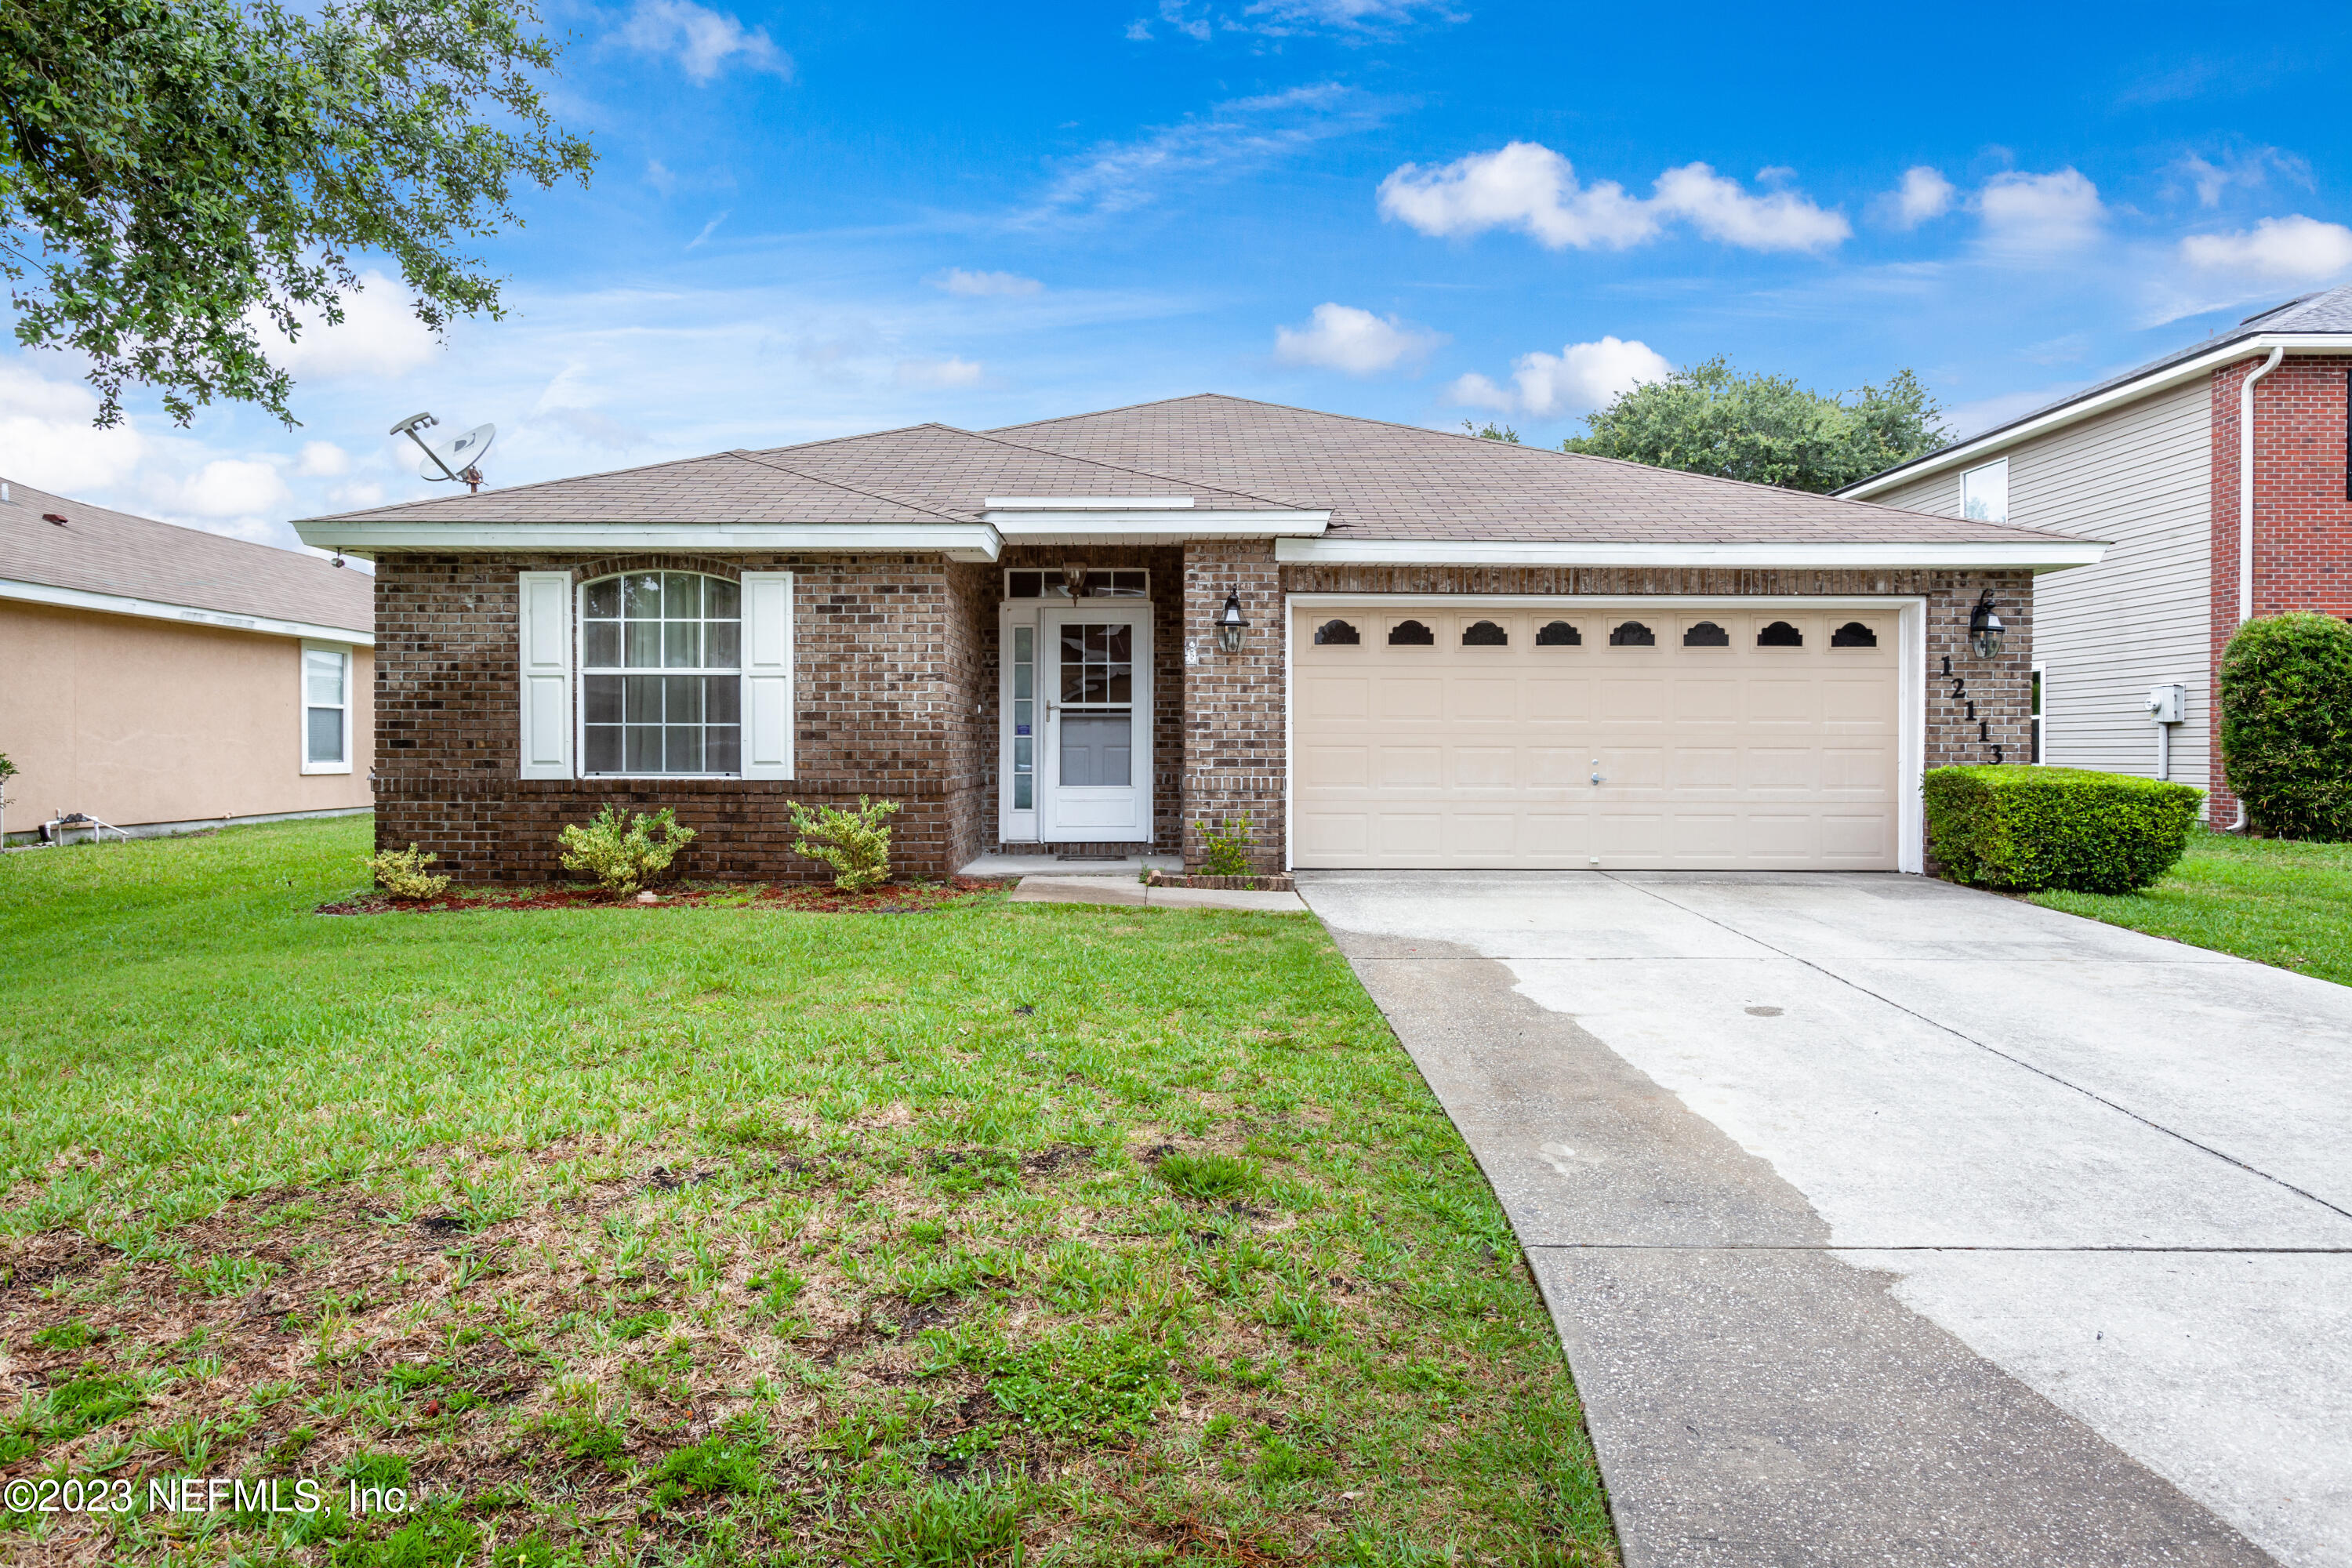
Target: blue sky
823,219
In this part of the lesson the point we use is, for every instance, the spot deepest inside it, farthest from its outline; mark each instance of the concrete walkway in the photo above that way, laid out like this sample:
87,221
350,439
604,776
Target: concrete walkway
1128,891
1887,1222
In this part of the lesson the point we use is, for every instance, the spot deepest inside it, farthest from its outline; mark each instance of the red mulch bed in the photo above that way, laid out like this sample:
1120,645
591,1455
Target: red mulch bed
819,899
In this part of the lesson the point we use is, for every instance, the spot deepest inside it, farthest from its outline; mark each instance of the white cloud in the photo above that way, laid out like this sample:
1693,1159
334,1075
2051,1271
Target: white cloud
2295,249
1924,193
1585,375
1472,390
355,496
1343,338
1118,176
46,431
709,229
322,459
379,337
1529,187
234,487
938,373
658,175
2250,167
983,285
703,40
1524,186
2041,213
1717,207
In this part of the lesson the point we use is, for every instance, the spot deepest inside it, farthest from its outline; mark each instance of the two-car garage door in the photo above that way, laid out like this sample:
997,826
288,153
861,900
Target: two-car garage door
1579,734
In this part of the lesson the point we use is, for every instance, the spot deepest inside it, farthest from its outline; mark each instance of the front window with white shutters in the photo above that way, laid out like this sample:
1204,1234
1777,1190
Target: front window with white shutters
661,668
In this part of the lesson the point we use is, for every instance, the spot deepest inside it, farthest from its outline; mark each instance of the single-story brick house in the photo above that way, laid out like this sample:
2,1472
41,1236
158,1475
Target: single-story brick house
1453,652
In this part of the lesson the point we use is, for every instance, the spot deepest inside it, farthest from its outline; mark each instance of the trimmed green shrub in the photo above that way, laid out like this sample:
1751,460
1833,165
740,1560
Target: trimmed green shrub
2287,725
1228,852
620,850
402,873
2034,828
855,843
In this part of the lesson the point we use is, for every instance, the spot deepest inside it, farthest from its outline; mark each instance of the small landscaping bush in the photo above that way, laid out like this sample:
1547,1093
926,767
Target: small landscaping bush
1227,851
621,849
402,873
2287,725
2034,828
855,843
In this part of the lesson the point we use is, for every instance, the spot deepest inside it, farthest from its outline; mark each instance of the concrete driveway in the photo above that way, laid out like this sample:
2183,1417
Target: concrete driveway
1888,1222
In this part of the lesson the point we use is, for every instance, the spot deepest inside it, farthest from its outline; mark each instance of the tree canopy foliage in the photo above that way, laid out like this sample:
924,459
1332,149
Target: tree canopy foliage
177,177
1708,418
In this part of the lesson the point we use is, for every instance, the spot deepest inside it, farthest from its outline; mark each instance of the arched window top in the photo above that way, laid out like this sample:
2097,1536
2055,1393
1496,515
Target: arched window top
1484,633
1412,634
1338,633
1779,634
1560,633
1706,634
1632,634
661,620
1854,634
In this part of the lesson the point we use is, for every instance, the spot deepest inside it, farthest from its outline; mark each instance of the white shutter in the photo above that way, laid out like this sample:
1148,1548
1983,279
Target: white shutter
767,675
543,604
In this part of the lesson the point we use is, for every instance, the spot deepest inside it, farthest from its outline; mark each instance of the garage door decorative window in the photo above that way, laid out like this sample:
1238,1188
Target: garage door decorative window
1706,634
1484,633
1412,634
1632,634
1560,633
1338,633
1854,634
1779,634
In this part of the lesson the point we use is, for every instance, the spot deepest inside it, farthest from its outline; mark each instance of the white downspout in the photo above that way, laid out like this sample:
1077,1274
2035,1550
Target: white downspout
2246,505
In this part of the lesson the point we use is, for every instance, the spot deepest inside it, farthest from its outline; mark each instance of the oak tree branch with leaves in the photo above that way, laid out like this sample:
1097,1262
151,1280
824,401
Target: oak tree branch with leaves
177,176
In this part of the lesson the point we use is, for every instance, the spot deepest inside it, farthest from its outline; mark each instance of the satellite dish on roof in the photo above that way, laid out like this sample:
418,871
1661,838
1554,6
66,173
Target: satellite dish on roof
452,460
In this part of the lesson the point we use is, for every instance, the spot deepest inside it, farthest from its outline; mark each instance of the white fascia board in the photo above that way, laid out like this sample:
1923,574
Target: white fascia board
1087,503
955,541
1150,527
1992,443
187,615
2040,555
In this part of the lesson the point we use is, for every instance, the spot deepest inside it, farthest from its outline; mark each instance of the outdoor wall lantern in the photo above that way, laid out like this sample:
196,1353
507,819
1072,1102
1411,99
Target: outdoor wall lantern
1985,627
1230,625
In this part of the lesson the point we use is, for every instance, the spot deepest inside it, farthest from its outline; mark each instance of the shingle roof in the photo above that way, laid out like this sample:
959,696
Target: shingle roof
1400,481
1379,480
925,473
99,551
2329,311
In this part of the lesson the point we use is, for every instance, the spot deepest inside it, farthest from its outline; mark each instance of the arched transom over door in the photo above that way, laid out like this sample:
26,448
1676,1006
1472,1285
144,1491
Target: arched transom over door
1575,735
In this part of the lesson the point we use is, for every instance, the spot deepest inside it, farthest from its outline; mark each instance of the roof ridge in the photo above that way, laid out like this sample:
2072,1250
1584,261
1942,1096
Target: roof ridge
1126,467
843,484
532,485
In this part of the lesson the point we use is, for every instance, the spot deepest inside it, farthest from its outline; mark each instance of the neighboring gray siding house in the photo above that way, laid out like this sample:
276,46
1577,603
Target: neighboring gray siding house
2150,461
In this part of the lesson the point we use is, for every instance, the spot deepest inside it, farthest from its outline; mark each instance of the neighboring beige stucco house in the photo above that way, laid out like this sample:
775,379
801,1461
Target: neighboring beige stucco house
159,678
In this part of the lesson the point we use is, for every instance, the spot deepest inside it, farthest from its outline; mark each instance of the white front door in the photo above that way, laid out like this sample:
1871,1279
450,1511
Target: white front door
1094,775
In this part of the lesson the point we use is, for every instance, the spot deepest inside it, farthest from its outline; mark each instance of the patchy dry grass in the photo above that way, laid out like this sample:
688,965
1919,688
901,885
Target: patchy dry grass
995,1234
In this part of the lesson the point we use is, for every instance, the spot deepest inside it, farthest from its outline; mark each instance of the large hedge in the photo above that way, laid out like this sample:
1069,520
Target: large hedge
2287,725
2033,827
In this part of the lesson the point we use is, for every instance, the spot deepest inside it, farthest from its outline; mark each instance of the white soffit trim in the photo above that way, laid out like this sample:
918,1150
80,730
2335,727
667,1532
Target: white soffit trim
1062,528
1086,503
1978,449
2041,556
115,604
957,541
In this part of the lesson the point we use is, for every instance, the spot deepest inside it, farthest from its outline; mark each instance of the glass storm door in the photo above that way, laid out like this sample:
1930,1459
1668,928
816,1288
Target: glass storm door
1094,777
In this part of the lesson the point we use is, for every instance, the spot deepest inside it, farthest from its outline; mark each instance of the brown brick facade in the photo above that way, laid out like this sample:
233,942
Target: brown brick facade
2303,519
897,661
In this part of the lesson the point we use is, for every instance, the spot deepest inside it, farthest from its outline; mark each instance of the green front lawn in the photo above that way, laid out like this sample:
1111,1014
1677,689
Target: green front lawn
714,1235
2275,902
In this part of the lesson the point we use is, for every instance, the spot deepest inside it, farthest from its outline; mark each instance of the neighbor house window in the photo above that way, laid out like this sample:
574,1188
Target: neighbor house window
1984,492
661,670
326,709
